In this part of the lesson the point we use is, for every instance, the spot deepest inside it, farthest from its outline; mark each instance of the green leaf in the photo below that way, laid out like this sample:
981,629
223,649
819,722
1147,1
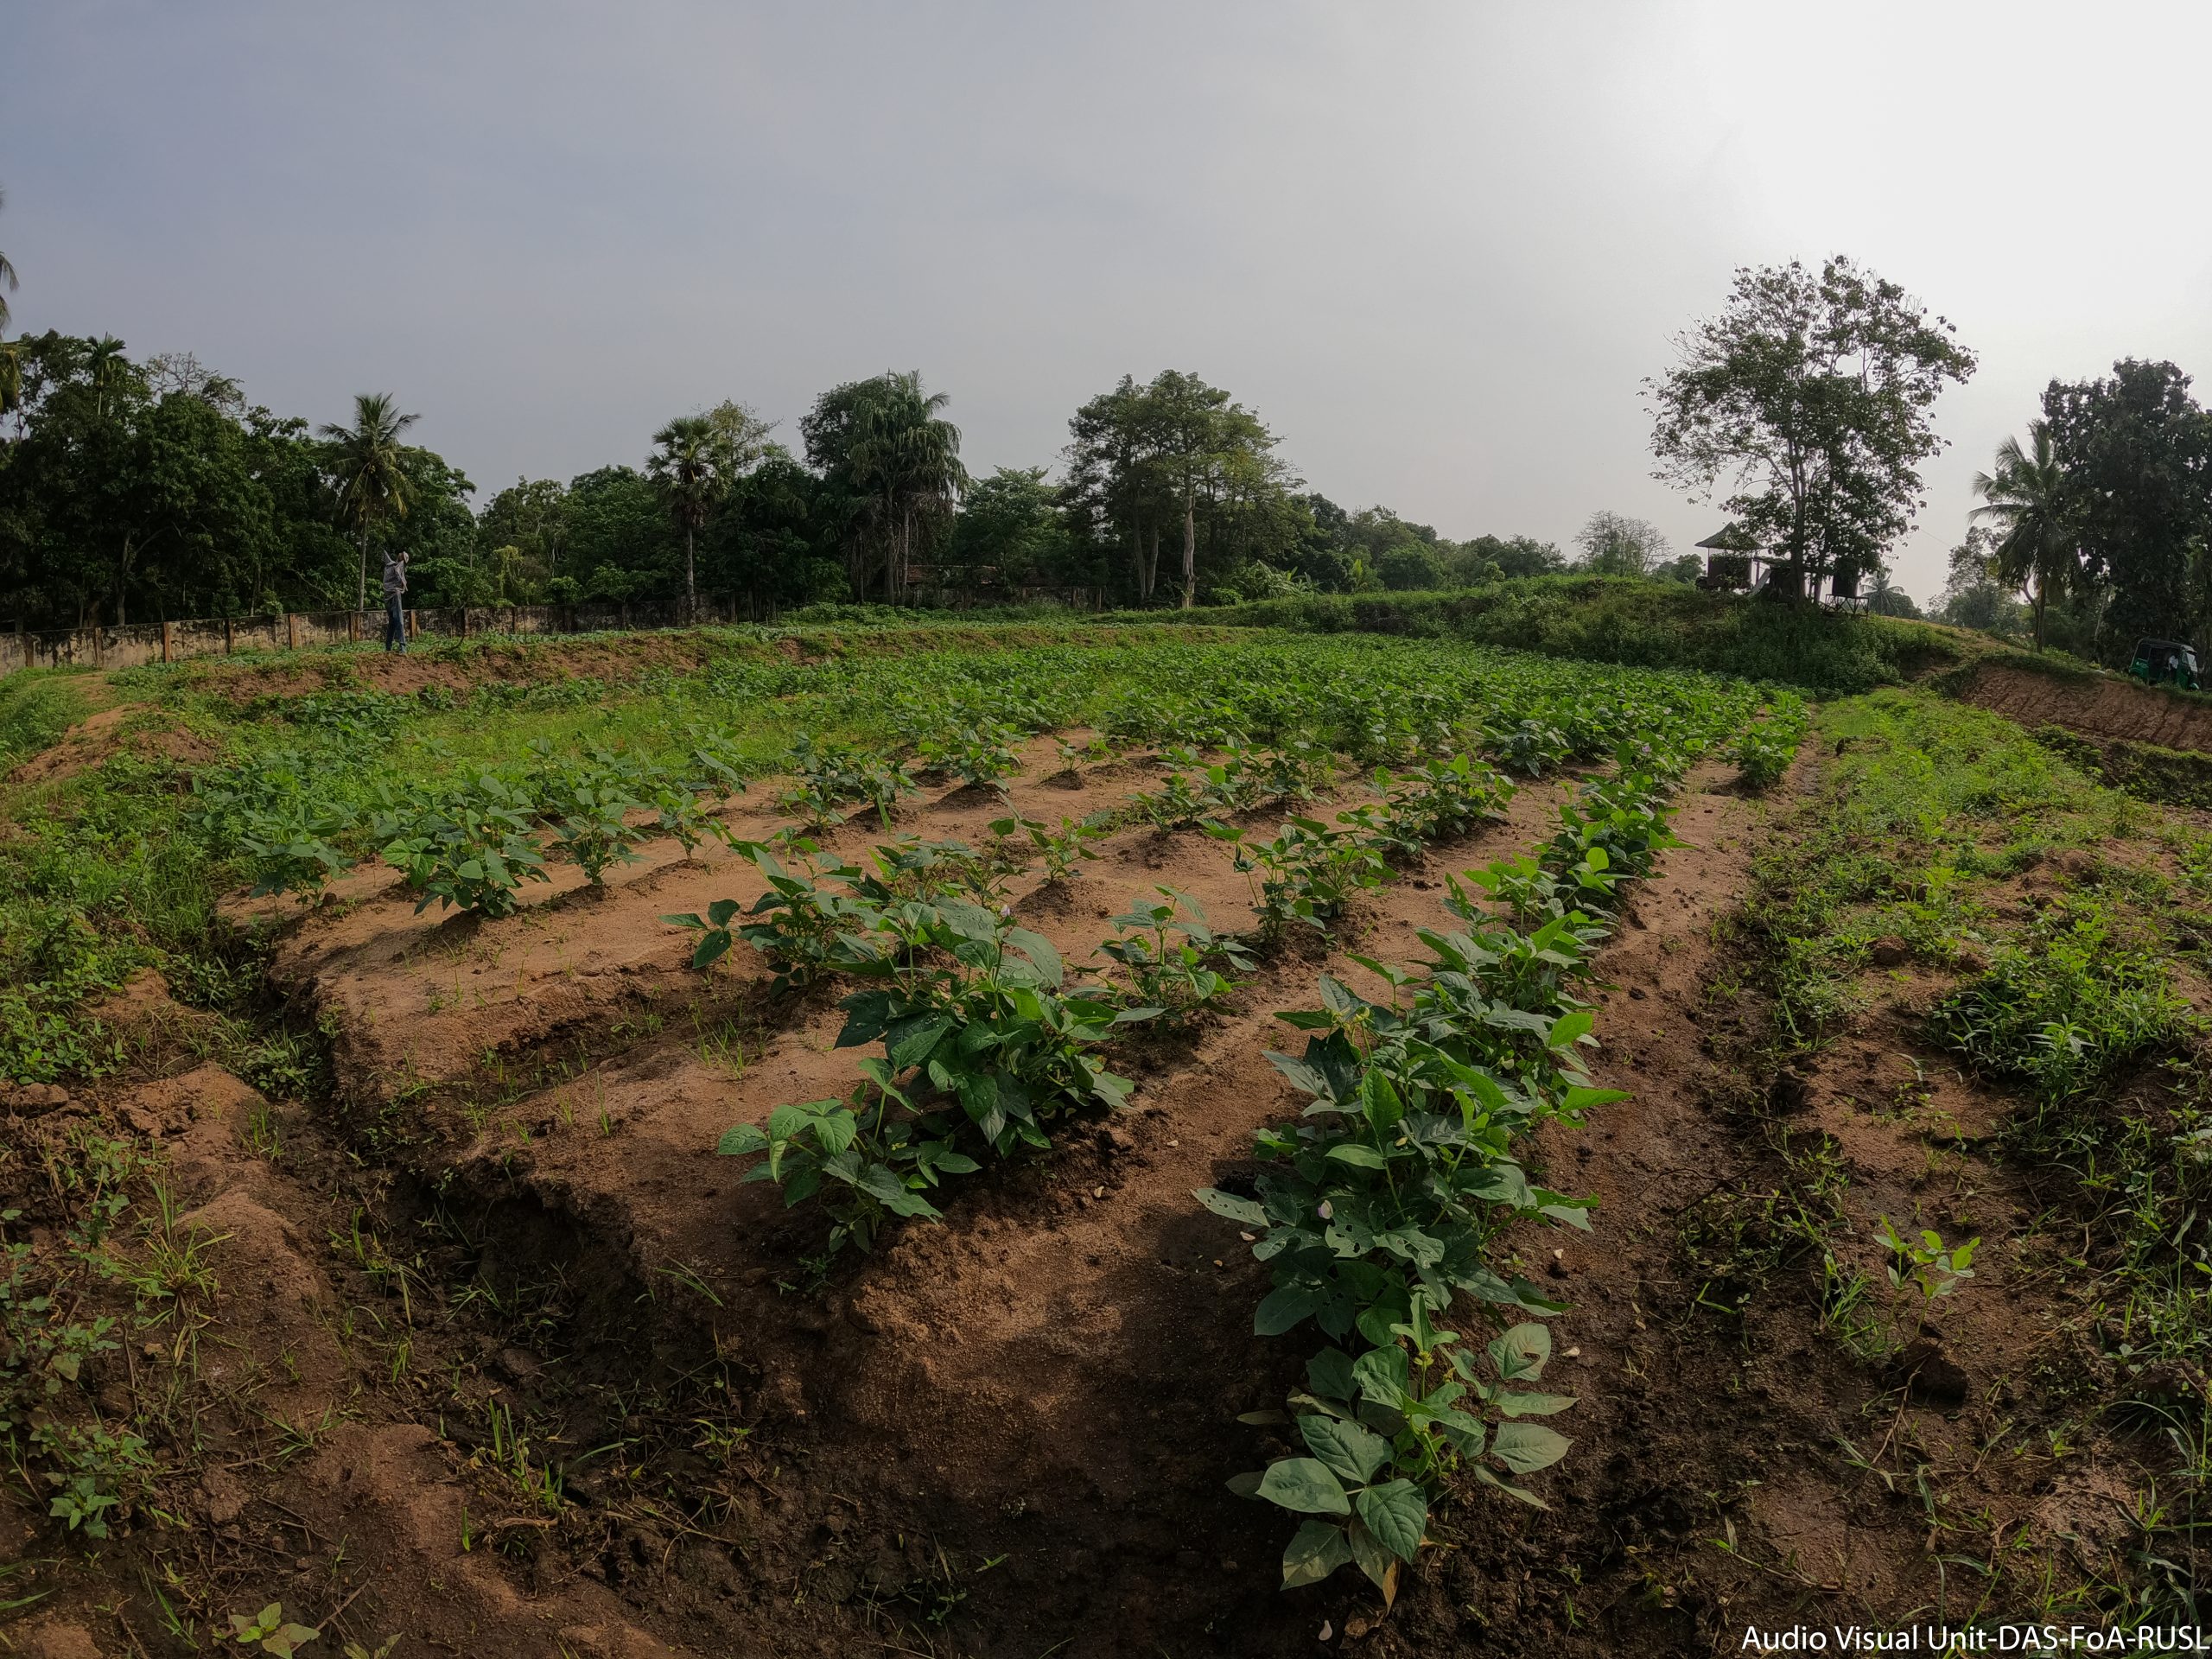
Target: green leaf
1305,1485
1246,1484
736,1142
1378,1562
1522,1352
1397,1514
1281,1309
1318,1550
1568,1028
1381,1373
1330,1375
1358,1156
1352,1453
1229,1207
1525,1447
1516,1402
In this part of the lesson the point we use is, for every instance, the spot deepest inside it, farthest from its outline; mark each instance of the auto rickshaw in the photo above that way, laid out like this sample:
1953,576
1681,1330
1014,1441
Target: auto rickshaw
2166,662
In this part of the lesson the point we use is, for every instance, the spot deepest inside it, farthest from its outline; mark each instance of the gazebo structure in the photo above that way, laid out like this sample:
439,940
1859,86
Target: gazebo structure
1735,564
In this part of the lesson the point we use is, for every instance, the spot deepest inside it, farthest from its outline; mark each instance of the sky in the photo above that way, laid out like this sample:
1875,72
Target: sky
1437,248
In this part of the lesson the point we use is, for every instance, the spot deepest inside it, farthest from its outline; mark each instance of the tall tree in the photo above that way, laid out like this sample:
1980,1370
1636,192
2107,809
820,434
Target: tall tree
893,466
8,283
368,465
1615,544
1810,399
2135,487
683,466
1142,456
2024,499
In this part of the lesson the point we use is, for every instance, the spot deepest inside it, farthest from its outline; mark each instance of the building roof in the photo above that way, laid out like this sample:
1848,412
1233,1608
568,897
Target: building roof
1729,539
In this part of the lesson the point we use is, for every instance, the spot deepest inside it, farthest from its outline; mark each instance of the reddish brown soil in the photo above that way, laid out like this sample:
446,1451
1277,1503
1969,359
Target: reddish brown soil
128,728
1007,1435
2101,705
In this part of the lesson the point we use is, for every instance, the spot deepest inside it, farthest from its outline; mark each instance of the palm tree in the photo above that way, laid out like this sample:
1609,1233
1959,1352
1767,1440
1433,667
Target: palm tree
907,461
2034,548
368,463
108,367
7,274
683,467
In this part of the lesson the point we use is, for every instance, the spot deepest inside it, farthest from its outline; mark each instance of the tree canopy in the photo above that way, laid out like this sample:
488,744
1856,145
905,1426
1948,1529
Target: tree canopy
1809,400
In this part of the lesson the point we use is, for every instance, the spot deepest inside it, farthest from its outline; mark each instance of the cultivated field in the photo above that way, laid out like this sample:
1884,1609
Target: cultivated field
1091,1142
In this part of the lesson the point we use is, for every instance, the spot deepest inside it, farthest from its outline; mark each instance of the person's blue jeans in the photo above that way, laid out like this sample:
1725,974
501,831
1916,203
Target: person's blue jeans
394,625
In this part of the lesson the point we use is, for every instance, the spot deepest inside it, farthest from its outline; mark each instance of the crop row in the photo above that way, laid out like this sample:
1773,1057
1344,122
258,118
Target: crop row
1380,1209
1382,1204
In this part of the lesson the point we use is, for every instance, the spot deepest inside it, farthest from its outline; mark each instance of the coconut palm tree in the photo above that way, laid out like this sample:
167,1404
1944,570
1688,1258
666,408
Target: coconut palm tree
368,465
7,274
2036,551
684,465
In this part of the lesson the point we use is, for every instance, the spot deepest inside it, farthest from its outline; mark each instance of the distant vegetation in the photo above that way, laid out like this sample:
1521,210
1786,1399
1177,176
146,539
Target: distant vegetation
139,489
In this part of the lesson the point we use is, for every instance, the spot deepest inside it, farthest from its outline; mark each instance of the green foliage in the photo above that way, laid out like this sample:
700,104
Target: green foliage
1171,958
36,709
270,1630
1765,751
1307,873
1626,619
1443,799
469,845
1379,1211
1926,1268
2067,1006
831,776
1059,851
985,1048
976,755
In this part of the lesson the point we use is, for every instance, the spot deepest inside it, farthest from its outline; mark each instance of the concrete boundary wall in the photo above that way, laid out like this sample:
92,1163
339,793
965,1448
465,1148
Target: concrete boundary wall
173,642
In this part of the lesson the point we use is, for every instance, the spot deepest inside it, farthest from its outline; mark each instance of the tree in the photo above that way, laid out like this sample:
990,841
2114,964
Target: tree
1810,399
1884,598
1409,566
2024,499
1521,555
682,466
1140,457
1973,597
621,542
894,467
1614,544
8,282
2134,453
370,471
741,439
1010,526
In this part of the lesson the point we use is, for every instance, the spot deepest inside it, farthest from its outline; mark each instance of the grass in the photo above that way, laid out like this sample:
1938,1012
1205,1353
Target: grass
36,706
2046,941
1625,620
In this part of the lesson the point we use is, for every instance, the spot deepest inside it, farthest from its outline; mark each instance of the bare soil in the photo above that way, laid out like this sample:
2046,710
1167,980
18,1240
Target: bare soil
1008,1434
2101,705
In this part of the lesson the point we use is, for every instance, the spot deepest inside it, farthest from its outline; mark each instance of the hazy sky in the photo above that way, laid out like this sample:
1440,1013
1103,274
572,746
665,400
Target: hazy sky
1436,247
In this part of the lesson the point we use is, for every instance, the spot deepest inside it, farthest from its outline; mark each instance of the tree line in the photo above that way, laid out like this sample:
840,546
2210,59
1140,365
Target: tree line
2096,531
142,489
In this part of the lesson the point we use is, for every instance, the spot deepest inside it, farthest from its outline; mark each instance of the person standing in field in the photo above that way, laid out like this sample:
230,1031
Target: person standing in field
395,590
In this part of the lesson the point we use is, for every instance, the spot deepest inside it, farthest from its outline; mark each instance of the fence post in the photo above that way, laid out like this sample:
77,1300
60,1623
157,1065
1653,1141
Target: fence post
226,636
354,627
165,642
291,631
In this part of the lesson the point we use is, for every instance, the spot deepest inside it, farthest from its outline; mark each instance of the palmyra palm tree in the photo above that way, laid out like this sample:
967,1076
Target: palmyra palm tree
2035,549
682,465
369,465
